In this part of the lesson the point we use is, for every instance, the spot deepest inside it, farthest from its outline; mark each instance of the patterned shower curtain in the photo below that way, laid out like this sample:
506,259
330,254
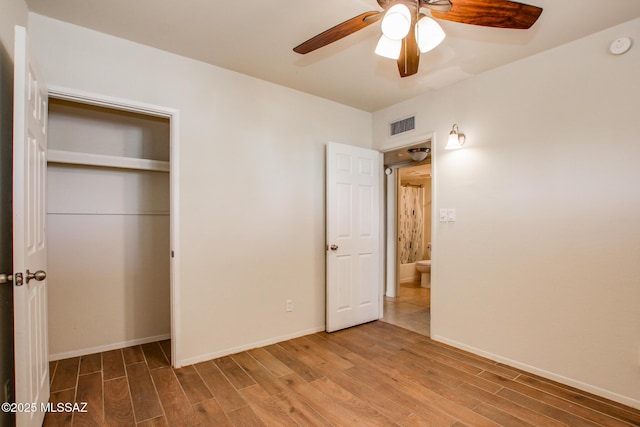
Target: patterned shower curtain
411,224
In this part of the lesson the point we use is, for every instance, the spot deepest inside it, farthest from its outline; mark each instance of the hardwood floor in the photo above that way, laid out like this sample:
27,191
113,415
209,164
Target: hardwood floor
411,309
373,374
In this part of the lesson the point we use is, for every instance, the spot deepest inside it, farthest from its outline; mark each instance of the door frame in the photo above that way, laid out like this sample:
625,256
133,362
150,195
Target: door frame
391,209
99,100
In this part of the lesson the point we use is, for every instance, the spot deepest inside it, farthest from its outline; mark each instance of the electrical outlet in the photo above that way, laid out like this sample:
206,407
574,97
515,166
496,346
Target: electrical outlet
289,305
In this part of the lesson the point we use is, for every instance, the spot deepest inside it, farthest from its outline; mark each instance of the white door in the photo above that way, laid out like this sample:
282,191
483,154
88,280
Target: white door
353,235
29,244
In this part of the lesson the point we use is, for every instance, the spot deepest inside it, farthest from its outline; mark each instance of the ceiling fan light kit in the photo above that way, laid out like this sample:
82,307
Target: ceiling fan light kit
396,23
429,34
399,16
388,48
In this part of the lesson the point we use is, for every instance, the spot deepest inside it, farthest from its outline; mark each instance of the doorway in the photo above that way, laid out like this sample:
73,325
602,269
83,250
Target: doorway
111,216
407,299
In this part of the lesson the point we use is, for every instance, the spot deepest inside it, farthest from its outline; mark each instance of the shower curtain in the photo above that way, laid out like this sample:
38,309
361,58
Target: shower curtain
411,224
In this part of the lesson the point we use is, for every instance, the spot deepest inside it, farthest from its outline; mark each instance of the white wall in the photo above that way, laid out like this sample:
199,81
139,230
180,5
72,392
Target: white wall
251,179
541,267
14,12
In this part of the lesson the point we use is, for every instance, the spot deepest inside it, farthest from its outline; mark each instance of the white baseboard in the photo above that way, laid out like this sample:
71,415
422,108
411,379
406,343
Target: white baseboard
625,400
234,350
101,348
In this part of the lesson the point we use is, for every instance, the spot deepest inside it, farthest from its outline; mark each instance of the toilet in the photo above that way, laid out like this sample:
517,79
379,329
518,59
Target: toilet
424,268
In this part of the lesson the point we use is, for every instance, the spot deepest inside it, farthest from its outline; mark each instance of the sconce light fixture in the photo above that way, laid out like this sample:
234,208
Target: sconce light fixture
456,139
419,154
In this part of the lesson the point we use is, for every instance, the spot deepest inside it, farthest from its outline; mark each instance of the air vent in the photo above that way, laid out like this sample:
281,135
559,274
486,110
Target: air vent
404,125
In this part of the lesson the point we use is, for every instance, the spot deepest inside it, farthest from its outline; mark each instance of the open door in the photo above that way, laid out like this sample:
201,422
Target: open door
29,236
353,235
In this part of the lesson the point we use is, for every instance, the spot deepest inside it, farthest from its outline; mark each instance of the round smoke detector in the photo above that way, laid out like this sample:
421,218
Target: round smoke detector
620,46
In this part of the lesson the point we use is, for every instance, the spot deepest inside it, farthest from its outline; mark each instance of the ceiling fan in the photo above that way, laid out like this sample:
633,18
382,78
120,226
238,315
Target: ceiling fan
407,31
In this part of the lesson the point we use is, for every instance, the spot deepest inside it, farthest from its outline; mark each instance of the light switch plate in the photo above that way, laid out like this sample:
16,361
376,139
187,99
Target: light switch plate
451,215
443,215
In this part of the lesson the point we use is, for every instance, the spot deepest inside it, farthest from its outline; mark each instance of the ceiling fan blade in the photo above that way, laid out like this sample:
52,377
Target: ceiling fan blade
349,26
409,56
491,13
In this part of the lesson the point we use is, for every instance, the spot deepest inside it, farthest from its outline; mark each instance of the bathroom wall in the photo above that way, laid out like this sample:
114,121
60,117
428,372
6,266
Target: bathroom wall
543,257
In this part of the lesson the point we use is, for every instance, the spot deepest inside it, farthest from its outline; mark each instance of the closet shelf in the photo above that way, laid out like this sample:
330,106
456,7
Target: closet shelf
76,158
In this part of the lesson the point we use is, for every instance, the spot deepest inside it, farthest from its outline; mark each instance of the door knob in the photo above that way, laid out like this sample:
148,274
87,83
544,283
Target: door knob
5,278
334,247
38,275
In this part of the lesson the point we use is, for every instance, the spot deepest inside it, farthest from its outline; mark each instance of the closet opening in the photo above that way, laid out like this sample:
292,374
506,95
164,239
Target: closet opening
110,226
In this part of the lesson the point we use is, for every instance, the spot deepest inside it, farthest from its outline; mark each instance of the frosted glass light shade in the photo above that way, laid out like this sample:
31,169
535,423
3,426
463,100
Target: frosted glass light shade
419,154
456,139
429,34
453,143
389,48
396,22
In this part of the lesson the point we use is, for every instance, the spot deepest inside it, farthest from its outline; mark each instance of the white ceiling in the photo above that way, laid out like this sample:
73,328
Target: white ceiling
256,38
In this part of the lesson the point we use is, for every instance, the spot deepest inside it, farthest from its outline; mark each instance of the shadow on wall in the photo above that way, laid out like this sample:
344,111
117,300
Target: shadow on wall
6,233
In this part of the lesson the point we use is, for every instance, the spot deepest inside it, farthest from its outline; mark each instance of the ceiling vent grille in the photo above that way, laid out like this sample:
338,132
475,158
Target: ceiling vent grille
404,125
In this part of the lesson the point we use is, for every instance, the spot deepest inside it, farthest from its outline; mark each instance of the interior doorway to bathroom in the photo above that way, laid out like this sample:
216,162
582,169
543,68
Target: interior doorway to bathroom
407,299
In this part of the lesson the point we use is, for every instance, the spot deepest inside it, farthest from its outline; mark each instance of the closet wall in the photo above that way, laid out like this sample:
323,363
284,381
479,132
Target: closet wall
108,228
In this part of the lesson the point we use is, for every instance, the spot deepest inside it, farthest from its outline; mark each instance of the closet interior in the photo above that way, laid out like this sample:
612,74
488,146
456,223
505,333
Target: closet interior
108,219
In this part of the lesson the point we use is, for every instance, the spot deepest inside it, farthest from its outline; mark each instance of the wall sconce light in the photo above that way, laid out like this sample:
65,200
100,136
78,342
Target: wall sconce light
419,154
456,139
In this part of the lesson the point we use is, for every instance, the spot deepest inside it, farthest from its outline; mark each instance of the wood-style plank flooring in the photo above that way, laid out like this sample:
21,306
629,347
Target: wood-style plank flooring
410,309
373,374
